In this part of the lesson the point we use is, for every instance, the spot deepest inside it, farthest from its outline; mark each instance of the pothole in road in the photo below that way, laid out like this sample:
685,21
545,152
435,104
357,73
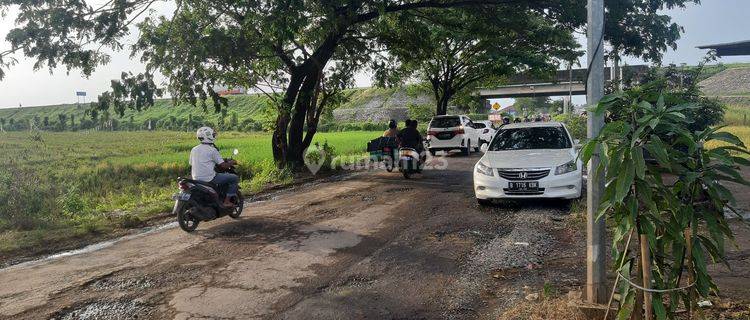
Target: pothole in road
356,281
123,284
402,189
107,310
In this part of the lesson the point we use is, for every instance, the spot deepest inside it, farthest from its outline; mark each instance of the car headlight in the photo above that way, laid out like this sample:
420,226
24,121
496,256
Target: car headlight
568,167
485,170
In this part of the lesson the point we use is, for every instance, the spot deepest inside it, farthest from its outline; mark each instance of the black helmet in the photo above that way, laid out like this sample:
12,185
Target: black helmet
392,124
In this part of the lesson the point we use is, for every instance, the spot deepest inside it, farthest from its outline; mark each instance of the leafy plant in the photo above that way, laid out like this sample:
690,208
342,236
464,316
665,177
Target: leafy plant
576,125
674,203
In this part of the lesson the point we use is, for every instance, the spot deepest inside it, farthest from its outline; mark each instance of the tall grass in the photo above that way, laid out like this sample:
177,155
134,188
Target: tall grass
737,115
94,181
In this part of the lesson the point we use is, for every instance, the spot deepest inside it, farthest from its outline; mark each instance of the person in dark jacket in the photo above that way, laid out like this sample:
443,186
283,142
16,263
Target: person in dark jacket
409,137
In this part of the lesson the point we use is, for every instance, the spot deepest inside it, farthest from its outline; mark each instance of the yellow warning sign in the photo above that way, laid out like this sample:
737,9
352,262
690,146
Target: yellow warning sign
496,106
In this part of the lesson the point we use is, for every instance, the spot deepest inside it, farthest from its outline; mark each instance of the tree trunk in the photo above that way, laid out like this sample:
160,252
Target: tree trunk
289,142
442,105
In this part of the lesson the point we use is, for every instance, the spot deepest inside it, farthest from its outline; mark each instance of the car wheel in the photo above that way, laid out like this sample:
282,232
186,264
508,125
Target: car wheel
466,151
432,152
484,202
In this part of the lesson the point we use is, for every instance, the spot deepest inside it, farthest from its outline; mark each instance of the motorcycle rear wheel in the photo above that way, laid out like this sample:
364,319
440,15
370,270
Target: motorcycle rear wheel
388,164
187,222
237,211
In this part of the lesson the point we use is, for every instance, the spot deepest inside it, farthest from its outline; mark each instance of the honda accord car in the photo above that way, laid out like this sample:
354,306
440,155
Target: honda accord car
529,160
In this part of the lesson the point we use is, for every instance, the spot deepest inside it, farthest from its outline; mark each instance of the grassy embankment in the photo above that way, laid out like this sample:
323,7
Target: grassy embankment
56,186
166,115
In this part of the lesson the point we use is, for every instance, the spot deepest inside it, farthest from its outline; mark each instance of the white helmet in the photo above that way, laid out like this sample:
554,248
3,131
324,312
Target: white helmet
206,135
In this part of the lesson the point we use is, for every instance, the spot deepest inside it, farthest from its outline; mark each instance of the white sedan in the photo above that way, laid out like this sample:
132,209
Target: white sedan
529,160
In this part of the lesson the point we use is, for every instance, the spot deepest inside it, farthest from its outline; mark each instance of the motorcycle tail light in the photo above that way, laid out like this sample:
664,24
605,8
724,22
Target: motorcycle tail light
183,185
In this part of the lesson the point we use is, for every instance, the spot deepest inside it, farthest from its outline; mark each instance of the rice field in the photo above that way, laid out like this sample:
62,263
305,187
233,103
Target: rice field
84,182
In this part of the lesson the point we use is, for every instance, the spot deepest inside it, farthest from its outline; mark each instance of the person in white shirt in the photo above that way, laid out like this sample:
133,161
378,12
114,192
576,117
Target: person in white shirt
204,157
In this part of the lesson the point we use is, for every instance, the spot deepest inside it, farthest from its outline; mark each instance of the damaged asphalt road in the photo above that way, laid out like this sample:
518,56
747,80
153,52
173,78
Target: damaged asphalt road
372,245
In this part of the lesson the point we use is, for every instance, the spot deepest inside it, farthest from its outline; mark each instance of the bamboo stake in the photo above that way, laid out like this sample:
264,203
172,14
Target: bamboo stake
637,313
619,266
691,273
646,263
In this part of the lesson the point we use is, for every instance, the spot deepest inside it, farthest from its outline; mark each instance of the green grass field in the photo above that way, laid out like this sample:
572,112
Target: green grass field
76,183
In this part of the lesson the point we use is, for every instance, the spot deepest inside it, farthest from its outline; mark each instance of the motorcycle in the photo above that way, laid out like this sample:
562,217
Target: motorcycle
200,201
383,149
409,162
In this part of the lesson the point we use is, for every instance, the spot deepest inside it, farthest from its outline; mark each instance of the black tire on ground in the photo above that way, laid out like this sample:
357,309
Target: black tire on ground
407,175
484,202
466,151
235,214
186,221
388,164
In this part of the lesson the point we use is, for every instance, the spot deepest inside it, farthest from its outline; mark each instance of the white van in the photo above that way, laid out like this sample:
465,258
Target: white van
446,133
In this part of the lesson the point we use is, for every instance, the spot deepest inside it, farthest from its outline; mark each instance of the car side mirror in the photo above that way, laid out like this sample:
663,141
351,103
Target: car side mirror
484,147
577,144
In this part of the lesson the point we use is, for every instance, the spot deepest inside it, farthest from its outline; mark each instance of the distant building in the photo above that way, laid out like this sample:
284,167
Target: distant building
226,91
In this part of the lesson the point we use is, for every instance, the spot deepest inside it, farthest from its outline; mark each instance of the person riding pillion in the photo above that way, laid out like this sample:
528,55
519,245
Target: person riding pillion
204,157
392,131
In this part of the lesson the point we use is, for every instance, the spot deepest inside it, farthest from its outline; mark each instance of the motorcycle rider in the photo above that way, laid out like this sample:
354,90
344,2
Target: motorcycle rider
392,131
410,137
204,157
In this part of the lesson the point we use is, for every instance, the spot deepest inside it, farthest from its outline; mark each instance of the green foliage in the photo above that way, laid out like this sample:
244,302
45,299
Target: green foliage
164,115
531,106
576,125
421,112
467,47
266,172
321,154
679,191
71,203
680,85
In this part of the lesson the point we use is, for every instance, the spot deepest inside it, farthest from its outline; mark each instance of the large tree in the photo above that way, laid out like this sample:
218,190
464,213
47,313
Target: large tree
295,50
454,49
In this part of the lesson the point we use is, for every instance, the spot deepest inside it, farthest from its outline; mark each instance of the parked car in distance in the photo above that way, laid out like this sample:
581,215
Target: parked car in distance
446,133
529,160
486,131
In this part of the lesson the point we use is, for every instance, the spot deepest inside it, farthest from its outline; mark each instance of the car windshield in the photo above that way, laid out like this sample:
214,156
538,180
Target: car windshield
531,138
445,122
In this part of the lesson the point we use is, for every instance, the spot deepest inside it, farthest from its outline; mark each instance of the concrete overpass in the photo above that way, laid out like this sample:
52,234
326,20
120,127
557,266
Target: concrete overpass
561,83
534,90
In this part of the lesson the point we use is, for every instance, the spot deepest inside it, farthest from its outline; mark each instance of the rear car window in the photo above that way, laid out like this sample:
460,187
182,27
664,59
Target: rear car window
479,125
531,138
445,122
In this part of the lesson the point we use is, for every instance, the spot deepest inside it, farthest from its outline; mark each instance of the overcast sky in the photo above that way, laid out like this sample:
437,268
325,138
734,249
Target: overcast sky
714,21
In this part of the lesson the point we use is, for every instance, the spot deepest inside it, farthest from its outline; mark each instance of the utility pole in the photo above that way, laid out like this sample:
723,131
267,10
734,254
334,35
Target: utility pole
595,230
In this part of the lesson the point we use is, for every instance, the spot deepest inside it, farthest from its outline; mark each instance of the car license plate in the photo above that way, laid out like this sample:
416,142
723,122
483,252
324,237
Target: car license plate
523,186
445,135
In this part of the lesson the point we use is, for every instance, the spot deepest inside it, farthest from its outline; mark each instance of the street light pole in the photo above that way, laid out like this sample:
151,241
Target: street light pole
595,230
